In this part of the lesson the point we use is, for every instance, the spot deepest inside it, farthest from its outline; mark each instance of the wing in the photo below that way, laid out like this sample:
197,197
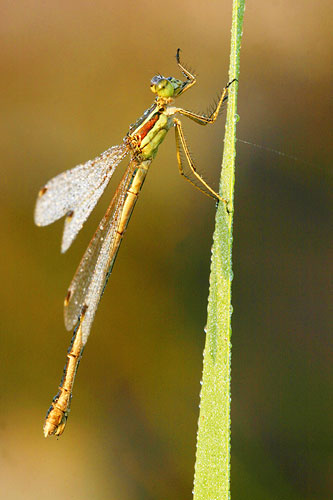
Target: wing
95,267
75,193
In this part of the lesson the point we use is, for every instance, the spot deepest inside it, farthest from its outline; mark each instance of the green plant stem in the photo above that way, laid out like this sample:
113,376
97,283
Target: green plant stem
212,468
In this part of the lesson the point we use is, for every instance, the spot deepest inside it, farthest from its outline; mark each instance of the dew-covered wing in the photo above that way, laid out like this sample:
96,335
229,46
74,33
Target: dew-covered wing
74,193
92,274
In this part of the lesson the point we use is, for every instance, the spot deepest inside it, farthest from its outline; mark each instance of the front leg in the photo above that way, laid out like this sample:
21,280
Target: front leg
190,77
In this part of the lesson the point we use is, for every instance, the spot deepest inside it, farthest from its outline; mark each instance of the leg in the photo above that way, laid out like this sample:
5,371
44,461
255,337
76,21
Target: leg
202,119
180,141
189,77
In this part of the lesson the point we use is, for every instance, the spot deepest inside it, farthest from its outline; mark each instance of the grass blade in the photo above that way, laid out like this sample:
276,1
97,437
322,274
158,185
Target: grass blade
212,468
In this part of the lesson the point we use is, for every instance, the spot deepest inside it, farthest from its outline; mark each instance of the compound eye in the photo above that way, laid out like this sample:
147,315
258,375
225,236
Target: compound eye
161,85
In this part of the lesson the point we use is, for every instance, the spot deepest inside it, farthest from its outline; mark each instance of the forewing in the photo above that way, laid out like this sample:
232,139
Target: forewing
92,274
74,193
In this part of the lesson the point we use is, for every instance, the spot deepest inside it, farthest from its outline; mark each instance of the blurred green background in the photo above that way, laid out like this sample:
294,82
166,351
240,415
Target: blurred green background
74,75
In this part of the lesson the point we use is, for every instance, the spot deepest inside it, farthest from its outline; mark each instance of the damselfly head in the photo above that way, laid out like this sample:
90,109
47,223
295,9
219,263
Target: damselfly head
166,87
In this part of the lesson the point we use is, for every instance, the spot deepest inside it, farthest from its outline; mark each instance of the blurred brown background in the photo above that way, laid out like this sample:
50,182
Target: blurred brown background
74,75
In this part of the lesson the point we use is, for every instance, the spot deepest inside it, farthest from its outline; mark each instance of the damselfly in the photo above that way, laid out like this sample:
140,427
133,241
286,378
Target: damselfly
74,194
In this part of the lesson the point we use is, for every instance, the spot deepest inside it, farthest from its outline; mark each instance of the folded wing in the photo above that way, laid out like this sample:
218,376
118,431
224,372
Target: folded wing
94,269
74,193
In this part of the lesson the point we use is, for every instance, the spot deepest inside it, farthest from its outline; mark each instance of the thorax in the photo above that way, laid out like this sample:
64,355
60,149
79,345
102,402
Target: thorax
148,132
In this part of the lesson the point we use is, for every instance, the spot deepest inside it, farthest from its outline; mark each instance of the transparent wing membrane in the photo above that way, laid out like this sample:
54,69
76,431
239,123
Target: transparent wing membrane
91,276
74,193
